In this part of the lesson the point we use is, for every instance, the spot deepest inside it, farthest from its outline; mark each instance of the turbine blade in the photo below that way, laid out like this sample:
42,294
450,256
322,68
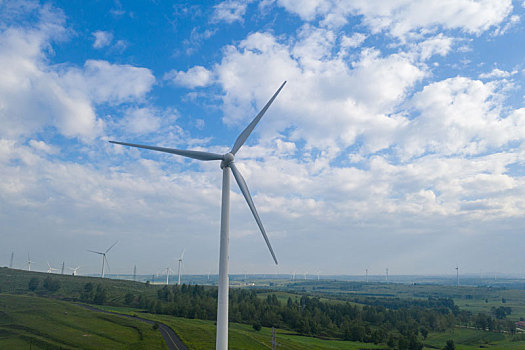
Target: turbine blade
248,197
182,255
244,135
92,251
111,246
107,263
185,153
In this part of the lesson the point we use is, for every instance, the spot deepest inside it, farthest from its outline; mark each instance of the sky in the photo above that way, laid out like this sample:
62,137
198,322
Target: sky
398,141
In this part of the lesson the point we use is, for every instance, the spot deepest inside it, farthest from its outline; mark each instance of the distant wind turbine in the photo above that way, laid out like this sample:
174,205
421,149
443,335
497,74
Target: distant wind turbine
104,259
135,273
457,276
227,164
366,275
50,269
180,266
63,265
29,262
168,270
11,262
74,269
387,274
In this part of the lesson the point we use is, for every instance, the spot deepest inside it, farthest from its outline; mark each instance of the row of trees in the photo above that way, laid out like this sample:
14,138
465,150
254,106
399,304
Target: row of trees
398,323
50,284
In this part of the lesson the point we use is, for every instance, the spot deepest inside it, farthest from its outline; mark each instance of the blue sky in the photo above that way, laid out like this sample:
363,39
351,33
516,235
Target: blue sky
397,142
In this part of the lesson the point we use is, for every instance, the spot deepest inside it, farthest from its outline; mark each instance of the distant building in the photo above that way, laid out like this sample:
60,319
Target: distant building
520,325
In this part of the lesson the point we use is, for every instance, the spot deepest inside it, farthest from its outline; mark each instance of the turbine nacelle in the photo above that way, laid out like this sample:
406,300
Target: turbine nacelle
227,159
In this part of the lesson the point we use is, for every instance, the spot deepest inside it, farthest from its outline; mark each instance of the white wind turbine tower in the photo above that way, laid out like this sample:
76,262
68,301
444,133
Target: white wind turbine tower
29,262
11,261
180,266
366,275
168,270
457,275
104,259
227,164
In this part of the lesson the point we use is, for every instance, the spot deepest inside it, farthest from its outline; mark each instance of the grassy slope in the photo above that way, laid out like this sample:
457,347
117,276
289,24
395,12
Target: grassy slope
47,323
201,334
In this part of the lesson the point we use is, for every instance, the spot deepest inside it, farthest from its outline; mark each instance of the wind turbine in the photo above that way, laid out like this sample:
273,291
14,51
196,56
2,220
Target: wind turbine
180,265
386,275
366,275
168,270
135,273
104,259
74,269
11,262
29,262
457,276
63,265
50,269
227,164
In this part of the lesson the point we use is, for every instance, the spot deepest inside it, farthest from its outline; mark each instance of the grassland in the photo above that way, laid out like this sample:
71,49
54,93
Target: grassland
43,323
28,318
200,335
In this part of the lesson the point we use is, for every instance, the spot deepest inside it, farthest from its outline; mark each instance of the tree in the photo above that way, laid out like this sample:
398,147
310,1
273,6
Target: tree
101,295
33,283
257,326
424,332
450,345
51,284
129,298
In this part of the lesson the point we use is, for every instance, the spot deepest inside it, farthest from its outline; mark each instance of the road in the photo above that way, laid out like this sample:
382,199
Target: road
170,337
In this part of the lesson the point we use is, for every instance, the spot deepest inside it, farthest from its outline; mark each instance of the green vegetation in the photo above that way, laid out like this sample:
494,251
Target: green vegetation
44,323
310,314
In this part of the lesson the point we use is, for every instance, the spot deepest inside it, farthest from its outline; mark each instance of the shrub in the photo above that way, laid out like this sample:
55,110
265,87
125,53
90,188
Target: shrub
33,283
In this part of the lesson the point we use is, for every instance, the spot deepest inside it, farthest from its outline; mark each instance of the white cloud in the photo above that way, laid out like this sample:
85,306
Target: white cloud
353,41
145,120
102,39
497,73
458,116
230,11
104,82
437,45
43,147
400,17
34,94
197,76
327,102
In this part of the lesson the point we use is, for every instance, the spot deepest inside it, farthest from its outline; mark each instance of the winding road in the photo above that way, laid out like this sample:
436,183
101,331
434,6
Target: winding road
170,337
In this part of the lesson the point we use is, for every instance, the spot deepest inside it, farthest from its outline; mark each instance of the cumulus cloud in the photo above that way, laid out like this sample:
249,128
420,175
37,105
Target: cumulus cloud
197,76
401,17
230,11
352,41
102,39
497,73
459,116
34,94
104,82
352,98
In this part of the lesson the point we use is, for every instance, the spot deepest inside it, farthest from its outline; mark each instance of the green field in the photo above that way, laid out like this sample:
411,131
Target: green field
40,320
42,323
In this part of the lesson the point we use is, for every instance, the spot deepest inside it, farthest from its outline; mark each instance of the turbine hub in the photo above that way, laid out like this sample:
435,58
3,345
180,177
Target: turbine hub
227,159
